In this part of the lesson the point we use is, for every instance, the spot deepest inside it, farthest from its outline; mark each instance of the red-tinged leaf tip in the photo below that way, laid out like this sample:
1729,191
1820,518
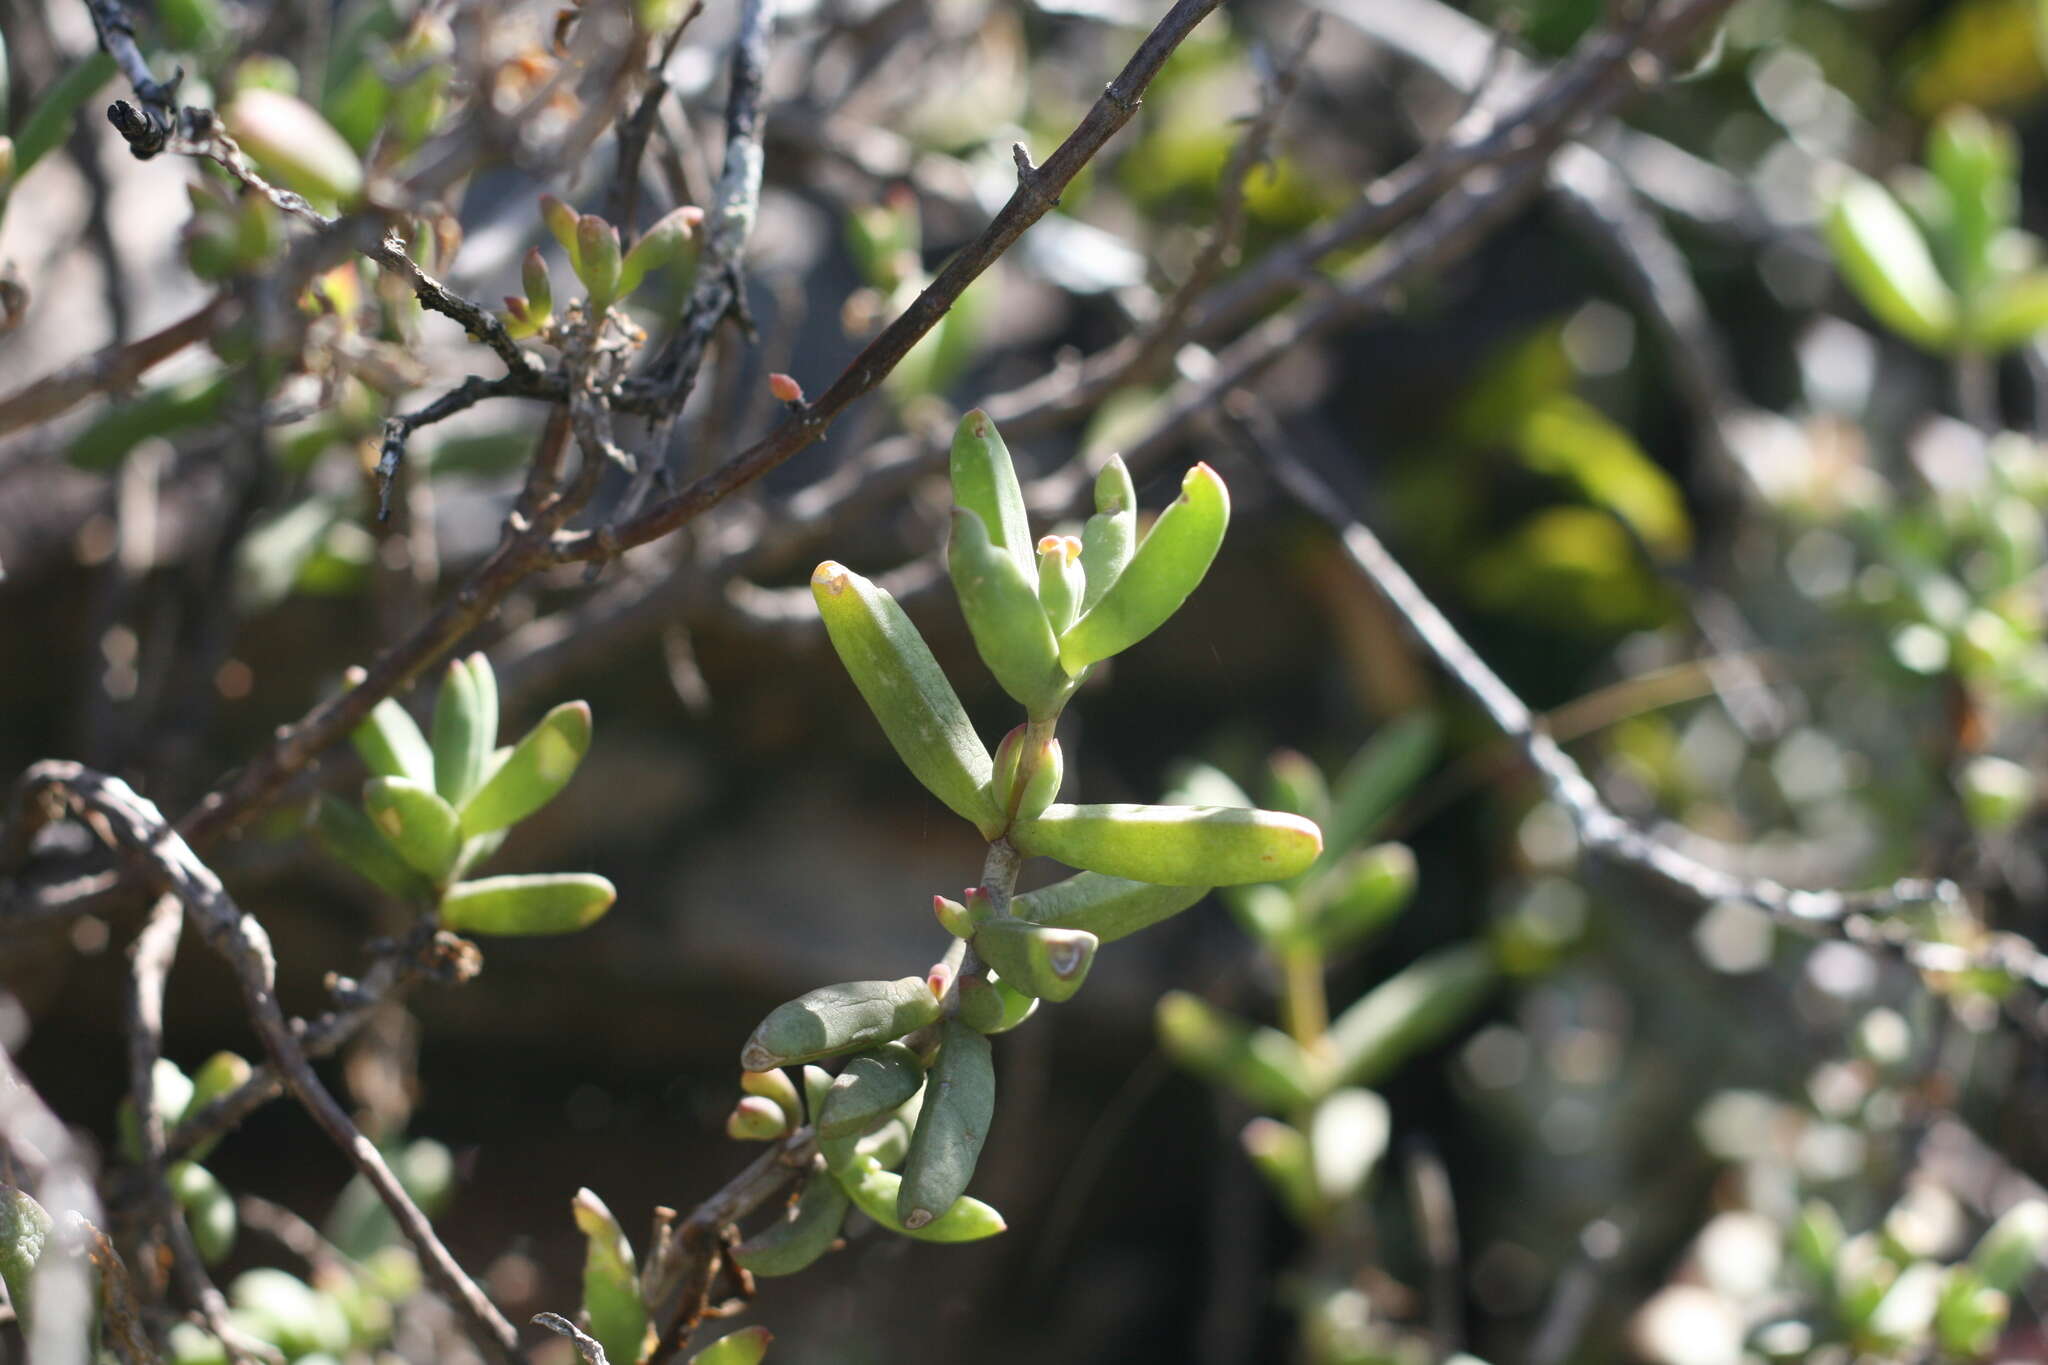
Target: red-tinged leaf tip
785,388
939,979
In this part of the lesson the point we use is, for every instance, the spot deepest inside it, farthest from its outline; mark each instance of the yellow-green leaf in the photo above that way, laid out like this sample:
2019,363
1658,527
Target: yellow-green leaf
1173,845
542,903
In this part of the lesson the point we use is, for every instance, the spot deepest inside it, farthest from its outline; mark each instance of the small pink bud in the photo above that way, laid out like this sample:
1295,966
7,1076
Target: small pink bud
939,979
785,388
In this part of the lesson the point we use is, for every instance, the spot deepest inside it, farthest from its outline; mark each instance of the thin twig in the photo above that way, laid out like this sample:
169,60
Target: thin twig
718,290
587,1346
437,956
148,132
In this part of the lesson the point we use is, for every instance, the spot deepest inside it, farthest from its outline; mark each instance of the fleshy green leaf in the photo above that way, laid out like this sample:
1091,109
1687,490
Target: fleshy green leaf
348,836
294,145
959,1102
24,1232
209,1209
999,598
1026,777
1409,1011
868,1089
562,222
1377,779
219,1075
1173,845
2014,309
756,1118
1045,962
876,1193
904,687
289,1313
613,1310
391,744
536,770
1361,895
1887,263
1977,162
991,1005
418,824
744,1347
985,483
1168,565
461,743
1111,534
1281,1154
1264,1065
670,241
2013,1247
775,1085
1296,785
1108,907
597,261
1062,582
805,1232
540,903
836,1019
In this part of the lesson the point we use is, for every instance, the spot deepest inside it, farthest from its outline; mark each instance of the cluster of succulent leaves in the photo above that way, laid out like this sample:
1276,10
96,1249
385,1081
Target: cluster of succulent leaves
1937,256
608,272
1322,1131
901,1125
432,810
